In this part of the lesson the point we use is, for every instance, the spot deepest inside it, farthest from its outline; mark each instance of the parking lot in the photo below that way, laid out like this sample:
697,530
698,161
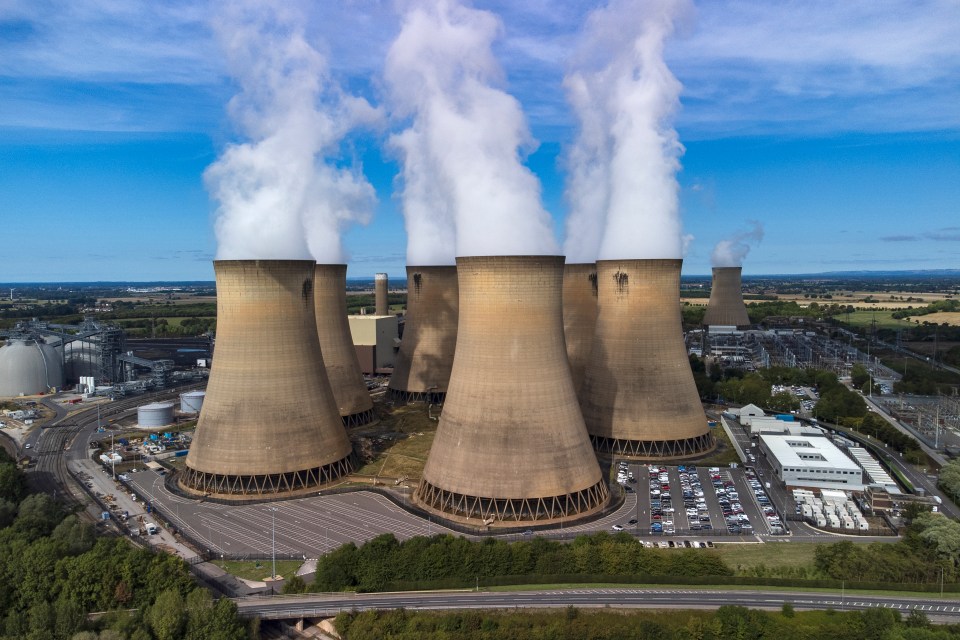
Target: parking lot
687,500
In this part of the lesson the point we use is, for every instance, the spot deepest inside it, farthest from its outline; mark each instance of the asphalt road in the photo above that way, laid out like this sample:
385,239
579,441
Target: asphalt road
322,605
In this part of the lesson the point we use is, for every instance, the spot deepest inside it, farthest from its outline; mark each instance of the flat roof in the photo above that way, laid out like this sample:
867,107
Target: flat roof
787,450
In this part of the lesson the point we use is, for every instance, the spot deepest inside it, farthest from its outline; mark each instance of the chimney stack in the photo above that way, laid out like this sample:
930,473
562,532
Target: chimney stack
380,283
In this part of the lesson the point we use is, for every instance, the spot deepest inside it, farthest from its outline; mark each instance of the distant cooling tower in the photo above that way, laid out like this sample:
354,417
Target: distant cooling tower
511,444
579,316
639,396
423,364
336,345
381,293
269,424
726,306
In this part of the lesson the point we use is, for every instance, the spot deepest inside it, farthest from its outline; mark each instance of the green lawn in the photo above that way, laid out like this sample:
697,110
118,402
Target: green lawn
258,569
772,554
863,318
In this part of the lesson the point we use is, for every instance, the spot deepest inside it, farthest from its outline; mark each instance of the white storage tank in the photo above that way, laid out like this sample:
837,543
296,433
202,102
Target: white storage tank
29,367
158,414
192,401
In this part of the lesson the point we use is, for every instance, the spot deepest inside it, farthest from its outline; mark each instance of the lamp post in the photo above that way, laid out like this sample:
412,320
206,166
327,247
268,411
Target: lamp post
273,513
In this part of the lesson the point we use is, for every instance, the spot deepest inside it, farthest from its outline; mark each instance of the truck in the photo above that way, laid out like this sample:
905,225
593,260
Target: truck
151,529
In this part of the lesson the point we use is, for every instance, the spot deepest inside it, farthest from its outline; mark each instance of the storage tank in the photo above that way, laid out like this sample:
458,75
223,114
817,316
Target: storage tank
29,367
192,401
158,414
726,307
579,316
425,358
336,346
639,398
511,446
269,424
381,294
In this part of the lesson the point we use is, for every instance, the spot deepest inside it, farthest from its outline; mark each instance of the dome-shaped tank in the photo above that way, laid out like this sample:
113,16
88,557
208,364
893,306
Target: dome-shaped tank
158,414
192,401
28,368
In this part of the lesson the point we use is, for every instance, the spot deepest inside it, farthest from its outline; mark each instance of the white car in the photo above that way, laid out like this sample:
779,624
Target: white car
27,446
617,527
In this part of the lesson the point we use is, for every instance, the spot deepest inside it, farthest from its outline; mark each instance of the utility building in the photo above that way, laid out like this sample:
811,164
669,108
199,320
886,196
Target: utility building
376,341
811,462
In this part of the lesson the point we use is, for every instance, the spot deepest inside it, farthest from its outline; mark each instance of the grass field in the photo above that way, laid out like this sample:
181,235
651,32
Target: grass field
863,318
724,454
741,557
409,432
949,317
258,569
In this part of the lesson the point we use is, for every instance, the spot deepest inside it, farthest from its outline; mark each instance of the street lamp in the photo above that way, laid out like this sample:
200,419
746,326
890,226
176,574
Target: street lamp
273,513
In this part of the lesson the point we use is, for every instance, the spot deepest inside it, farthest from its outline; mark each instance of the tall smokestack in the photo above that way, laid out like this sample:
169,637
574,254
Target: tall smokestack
425,359
336,345
726,306
639,396
511,444
380,294
579,316
269,423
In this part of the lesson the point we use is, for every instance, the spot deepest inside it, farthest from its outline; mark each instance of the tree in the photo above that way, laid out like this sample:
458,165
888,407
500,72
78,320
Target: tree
13,484
859,375
166,616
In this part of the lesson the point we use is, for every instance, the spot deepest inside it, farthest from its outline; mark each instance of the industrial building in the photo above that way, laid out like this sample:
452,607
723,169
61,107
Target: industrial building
811,462
339,355
511,446
269,423
579,316
29,367
376,341
425,359
639,398
726,308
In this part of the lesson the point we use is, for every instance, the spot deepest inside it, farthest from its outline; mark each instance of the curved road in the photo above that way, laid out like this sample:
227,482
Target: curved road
329,604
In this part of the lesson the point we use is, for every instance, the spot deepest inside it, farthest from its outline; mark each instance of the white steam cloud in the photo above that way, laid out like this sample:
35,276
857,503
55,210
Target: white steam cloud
283,194
463,174
622,186
732,251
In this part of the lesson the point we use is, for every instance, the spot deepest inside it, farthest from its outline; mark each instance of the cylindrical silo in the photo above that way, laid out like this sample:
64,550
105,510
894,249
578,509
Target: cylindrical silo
380,294
639,398
192,401
152,416
269,423
29,367
336,345
579,316
726,306
425,359
511,445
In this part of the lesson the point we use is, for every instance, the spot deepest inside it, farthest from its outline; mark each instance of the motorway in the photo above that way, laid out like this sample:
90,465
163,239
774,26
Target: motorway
330,604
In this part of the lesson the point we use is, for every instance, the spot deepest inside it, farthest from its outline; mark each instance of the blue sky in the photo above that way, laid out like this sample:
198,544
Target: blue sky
835,125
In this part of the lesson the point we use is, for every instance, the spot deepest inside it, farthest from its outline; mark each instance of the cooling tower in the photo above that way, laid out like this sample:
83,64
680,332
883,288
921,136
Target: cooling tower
726,306
579,316
423,364
336,345
269,424
511,444
380,286
639,398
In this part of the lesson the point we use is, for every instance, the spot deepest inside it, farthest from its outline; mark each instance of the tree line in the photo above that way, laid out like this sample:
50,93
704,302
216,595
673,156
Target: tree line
55,570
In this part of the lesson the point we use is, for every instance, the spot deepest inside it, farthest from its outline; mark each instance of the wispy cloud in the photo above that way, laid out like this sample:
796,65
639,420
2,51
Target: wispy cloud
943,234
902,238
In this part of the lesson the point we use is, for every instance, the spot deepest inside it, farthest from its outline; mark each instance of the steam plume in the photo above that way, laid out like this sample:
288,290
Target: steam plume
732,251
280,194
622,189
462,170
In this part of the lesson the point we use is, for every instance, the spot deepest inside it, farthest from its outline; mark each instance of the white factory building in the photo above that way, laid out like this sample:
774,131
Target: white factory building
811,462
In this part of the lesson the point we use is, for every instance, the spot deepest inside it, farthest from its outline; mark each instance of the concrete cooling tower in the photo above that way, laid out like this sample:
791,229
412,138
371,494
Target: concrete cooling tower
639,397
381,294
511,444
269,423
579,316
726,306
336,345
425,359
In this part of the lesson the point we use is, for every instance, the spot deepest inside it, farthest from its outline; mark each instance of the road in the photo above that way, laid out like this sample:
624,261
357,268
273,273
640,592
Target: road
329,604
